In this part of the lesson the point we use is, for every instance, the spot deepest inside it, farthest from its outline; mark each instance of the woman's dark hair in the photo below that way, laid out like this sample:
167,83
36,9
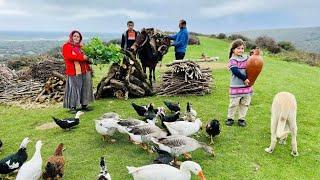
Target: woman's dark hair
75,31
236,43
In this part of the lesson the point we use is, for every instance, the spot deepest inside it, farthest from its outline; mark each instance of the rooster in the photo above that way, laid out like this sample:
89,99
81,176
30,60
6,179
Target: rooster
174,107
55,165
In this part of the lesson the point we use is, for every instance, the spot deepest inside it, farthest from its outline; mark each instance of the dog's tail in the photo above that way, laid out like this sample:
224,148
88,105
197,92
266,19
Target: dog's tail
281,127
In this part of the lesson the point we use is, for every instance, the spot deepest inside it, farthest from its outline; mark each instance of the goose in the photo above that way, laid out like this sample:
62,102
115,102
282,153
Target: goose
145,133
31,170
107,125
213,129
164,171
15,161
173,107
104,174
141,110
110,115
68,123
177,145
184,128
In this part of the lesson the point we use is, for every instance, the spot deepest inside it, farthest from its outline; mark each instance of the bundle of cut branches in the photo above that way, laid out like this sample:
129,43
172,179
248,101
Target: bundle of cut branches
18,90
185,78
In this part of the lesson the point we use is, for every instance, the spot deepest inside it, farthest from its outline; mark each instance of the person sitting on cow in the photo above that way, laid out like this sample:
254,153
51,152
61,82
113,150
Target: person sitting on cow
129,36
180,40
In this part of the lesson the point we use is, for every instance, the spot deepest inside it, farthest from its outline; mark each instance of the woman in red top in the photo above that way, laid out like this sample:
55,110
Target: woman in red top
78,89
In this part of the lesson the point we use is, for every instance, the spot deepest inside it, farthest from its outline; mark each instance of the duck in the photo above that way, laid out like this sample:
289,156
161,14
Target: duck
178,144
163,156
213,129
15,161
141,110
54,168
152,113
31,170
164,171
68,123
1,145
184,128
104,174
169,118
173,107
190,114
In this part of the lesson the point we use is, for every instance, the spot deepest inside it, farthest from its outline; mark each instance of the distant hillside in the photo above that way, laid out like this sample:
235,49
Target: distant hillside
307,39
21,43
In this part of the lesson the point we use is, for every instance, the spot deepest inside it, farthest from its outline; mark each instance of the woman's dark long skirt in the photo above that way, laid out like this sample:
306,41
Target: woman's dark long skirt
78,90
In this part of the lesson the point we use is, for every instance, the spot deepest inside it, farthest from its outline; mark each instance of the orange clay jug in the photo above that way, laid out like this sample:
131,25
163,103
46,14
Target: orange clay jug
254,67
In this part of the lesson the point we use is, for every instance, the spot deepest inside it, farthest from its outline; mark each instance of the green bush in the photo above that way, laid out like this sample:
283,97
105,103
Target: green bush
237,36
288,46
221,36
268,43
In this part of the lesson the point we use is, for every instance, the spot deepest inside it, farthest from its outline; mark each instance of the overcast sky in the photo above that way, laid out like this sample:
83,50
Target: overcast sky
206,16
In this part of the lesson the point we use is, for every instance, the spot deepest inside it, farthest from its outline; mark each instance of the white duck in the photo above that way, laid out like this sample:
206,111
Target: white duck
184,128
31,170
177,145
164,171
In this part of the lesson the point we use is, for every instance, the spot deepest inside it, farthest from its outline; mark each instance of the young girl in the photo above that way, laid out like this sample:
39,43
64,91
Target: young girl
240,91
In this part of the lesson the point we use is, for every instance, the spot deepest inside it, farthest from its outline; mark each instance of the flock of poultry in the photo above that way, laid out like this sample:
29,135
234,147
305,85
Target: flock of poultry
169,142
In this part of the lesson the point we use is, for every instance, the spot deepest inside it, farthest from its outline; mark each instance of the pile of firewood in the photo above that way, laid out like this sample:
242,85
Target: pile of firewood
34,90
124,80
43,70
53,89
19,90
185,78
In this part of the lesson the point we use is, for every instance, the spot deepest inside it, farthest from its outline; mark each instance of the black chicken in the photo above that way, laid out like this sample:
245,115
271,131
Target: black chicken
141,110
68,123
213,129
174,107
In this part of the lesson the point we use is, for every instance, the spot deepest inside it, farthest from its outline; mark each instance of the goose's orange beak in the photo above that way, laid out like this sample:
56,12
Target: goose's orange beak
201,175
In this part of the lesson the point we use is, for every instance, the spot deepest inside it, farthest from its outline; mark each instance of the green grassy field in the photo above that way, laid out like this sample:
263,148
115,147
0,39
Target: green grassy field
239,151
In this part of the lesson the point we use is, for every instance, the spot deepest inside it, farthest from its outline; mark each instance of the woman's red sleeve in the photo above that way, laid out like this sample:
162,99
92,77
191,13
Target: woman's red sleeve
67,54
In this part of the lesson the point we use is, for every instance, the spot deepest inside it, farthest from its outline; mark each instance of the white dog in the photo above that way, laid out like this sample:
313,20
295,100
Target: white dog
283,121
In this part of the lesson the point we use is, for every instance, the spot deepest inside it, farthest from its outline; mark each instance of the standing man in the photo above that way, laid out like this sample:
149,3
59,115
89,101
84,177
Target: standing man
181,40
129,37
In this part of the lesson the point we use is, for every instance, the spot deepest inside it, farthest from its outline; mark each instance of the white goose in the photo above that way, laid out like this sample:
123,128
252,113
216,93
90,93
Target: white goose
164,171
31,170
106,125
177,145
184,128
